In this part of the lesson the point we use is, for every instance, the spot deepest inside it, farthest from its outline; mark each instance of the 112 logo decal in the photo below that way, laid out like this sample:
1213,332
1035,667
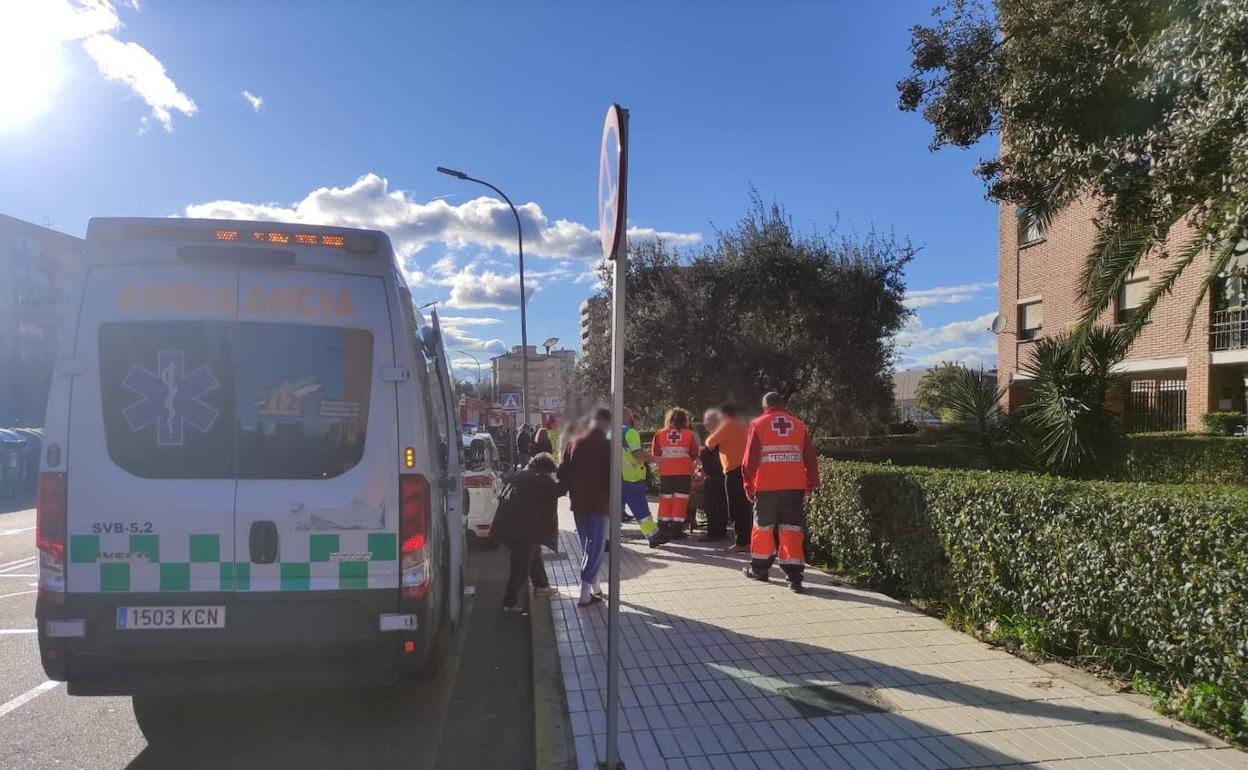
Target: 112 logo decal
171,397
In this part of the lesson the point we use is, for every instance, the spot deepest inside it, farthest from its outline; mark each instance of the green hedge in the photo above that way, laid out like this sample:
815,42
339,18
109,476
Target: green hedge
1165,458
1149,580
1184,458
1223,423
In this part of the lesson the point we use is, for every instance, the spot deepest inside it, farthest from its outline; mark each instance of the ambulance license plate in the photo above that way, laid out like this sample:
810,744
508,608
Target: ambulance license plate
131,618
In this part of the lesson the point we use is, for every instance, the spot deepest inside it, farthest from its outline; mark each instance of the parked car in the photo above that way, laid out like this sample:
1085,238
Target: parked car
12,463
483,481
34,449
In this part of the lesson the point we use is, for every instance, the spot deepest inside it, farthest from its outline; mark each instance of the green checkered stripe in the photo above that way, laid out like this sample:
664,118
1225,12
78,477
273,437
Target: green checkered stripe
196,563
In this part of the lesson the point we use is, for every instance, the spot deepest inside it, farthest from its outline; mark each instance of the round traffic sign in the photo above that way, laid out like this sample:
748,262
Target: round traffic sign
612,180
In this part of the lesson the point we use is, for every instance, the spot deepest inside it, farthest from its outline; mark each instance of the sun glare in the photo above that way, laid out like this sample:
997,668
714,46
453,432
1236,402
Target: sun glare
31,52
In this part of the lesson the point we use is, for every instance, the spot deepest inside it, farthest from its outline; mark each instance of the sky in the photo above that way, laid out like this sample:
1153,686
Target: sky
337,113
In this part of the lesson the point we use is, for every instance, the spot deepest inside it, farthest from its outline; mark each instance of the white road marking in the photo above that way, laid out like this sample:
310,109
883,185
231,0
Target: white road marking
23,562
19,630
17,574
16,531
19,593
26,697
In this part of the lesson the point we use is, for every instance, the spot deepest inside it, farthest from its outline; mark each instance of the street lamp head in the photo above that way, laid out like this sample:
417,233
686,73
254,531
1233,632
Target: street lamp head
452,172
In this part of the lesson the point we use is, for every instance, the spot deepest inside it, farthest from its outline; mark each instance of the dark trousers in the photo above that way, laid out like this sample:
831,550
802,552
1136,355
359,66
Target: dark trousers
739,509
779,528
526,564
715,503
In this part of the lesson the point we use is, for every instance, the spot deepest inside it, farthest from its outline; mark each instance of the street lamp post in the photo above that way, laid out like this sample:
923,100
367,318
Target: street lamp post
480,376
524,327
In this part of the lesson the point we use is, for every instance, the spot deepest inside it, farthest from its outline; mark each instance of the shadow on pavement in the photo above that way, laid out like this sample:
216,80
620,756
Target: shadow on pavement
484,690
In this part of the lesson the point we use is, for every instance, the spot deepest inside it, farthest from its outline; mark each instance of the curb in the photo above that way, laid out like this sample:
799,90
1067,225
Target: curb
552,734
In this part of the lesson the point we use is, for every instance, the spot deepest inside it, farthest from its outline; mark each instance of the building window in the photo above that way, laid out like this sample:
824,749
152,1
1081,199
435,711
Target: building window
1131,296
1030,320
1030,229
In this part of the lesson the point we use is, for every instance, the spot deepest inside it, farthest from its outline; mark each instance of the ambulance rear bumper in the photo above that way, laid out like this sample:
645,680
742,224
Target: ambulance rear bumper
113,675
270,642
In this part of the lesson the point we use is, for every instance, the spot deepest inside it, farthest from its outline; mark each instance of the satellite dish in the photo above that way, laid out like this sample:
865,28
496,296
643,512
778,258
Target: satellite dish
550,343
998,324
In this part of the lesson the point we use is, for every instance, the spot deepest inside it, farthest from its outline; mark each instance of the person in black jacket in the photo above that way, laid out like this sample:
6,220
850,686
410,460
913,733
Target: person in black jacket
714,498
526,519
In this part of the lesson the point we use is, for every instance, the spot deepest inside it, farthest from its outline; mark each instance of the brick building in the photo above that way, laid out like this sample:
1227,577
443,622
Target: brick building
1170,378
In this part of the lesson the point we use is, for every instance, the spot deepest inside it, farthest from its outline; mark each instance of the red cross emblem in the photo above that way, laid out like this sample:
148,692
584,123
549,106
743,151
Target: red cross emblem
782,425
673,435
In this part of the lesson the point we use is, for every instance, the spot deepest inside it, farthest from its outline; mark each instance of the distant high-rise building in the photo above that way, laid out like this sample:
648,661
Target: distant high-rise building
594,318
35,266
551,379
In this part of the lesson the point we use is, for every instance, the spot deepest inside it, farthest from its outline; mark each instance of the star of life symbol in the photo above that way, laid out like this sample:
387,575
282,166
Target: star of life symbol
782,426
171,397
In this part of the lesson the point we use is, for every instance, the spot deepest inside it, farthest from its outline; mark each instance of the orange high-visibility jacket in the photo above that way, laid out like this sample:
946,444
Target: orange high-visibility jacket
779,455
675,448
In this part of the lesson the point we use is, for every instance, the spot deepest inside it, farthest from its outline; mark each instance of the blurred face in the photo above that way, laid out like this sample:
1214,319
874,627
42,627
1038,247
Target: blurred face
711,419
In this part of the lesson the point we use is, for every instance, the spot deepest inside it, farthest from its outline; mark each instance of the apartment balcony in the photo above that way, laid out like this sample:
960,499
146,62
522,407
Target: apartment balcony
1229,329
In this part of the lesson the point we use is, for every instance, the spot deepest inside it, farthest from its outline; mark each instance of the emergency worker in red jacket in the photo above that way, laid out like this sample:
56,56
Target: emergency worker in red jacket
676,448
780,468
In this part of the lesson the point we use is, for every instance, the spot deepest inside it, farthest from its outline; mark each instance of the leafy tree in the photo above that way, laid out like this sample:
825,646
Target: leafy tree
932,394
1137,103
765,307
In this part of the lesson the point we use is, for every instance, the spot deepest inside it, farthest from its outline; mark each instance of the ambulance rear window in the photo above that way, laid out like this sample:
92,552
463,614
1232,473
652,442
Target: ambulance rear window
211,399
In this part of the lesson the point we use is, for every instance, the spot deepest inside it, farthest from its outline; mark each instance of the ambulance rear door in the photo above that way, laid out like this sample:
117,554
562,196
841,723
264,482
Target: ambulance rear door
150,457
316,531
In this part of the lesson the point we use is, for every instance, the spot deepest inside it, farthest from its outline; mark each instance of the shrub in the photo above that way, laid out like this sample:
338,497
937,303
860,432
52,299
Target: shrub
1223,423
1184,458
1148,580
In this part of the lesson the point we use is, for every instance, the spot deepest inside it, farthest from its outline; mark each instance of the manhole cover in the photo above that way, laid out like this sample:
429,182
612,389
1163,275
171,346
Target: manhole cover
834,700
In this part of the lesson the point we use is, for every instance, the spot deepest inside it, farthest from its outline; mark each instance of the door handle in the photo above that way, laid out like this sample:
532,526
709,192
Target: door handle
262,542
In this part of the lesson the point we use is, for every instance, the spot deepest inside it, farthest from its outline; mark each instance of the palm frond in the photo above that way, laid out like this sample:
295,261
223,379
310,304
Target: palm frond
1165,286
1219,258
1116,251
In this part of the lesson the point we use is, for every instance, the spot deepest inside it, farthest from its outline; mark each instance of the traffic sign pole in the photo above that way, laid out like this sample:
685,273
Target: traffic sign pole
613,200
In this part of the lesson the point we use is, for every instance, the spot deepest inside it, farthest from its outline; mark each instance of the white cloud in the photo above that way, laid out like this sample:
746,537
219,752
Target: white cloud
972,356
134,65
968,342
459,334
34,34
486,290
947,295
672,239
915,334
256,102
412,224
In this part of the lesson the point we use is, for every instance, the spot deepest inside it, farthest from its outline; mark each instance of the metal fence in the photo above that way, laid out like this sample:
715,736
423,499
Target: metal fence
1156,405
1228,329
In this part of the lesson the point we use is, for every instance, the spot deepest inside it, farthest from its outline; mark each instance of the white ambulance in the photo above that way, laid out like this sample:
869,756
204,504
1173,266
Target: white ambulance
250,474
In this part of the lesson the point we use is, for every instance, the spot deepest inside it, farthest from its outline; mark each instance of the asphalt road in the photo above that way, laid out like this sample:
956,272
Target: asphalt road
477,713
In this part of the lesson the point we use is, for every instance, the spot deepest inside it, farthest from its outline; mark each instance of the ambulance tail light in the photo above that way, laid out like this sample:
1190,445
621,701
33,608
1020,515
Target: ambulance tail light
413,535
51,504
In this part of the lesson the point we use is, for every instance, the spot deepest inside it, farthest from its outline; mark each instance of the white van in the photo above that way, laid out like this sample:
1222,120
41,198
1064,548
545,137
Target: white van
250,472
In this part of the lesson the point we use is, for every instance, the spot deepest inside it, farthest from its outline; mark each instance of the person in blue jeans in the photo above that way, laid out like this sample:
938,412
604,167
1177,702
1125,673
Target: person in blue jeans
633,483
586,472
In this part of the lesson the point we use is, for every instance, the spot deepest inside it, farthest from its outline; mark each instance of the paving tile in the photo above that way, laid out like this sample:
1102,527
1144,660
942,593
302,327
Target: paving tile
705,654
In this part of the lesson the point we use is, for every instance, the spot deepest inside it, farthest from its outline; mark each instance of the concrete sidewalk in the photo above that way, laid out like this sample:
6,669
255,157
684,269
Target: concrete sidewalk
713,663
